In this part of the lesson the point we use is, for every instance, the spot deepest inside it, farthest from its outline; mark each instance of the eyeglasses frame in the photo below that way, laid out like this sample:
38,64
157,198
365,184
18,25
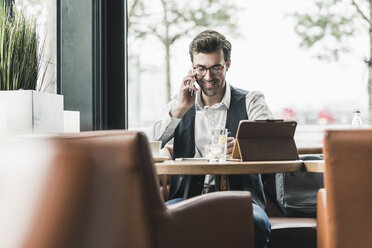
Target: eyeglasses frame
210,71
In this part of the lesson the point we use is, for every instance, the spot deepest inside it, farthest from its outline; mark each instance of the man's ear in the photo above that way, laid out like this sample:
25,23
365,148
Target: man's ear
228,64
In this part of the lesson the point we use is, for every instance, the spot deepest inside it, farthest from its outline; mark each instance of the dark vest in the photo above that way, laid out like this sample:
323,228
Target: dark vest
184,146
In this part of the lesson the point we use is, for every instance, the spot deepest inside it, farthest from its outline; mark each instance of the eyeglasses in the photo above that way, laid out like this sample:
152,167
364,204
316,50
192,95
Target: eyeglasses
215,70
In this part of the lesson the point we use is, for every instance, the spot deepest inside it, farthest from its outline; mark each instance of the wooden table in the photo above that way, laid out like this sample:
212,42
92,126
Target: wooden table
233,168
189,168
228,168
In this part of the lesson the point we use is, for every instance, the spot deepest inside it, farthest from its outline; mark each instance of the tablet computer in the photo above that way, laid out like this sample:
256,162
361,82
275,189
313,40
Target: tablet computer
268,140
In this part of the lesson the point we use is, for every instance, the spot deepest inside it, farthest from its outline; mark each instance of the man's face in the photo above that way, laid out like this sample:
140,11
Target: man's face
213,82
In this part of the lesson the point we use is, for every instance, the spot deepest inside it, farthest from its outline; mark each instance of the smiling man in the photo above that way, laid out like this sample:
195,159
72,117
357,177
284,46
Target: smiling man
193,113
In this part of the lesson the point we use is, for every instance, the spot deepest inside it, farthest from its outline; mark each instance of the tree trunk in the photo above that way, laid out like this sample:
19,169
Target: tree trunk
370,94
138,91
369,86
167,44
168,70
370,78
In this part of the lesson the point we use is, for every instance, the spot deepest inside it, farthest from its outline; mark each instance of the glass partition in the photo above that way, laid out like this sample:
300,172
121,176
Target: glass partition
266,56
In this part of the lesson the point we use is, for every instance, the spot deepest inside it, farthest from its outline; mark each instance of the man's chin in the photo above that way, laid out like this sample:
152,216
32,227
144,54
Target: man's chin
209,92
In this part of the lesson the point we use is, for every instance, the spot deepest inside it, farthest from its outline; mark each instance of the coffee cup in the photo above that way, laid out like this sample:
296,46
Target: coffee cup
155,147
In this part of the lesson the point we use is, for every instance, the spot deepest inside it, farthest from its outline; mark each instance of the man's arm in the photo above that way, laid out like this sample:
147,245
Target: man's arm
163,129
257,108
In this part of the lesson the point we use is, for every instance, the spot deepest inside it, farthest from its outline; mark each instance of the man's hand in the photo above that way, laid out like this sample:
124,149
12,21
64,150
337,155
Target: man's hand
230,146
186,100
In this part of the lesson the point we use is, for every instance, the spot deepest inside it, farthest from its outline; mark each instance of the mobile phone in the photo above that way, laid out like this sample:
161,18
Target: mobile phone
192,84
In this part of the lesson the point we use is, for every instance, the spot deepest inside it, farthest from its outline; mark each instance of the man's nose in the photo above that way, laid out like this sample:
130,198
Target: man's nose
208,75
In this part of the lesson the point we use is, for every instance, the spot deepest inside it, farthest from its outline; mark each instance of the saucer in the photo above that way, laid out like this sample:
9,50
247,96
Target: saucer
160,158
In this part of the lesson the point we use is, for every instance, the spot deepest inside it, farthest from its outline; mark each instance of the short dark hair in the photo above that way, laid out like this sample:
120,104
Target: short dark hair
210,41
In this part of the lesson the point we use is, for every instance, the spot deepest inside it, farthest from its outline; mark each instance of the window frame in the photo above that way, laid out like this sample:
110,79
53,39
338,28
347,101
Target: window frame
109,63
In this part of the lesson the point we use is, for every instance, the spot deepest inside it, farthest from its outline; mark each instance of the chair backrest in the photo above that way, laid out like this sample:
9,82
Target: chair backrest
347,180
102,192
310,150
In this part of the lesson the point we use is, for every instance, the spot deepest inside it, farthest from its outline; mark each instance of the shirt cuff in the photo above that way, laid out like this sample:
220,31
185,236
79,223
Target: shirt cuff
171,122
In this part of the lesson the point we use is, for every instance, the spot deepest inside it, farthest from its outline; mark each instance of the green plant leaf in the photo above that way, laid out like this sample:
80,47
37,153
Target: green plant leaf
19,51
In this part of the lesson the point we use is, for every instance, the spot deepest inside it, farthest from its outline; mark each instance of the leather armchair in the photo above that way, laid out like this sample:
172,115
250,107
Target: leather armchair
344,206
102,191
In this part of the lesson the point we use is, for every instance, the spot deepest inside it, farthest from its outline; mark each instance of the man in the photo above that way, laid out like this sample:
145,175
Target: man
217,105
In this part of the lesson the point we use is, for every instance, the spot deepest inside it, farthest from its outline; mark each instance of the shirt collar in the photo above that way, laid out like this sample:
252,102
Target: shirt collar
225,100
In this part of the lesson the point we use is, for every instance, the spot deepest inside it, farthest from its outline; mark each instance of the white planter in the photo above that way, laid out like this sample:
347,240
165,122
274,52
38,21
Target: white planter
71,121
29,111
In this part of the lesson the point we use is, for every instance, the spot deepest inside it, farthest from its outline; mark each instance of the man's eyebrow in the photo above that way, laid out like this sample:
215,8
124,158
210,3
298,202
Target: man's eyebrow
205,66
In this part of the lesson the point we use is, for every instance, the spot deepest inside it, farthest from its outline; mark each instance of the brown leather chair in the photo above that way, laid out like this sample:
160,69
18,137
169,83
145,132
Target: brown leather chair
344,205
102,191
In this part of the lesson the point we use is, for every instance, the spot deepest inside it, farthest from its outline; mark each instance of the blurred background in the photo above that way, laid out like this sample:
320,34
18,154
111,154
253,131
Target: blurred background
311,59
319,85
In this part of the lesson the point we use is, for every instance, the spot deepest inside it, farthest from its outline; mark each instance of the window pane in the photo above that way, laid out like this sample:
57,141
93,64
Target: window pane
266,56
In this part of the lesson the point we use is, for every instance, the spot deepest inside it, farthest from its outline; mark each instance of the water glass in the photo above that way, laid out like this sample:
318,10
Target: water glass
216,150
219,136
215,153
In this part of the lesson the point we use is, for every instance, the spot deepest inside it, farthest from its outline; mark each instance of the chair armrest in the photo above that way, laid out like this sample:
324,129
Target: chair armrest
310,150
322,220
220,219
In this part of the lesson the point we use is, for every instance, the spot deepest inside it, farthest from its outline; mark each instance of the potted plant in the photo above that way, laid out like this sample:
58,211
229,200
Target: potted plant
27,109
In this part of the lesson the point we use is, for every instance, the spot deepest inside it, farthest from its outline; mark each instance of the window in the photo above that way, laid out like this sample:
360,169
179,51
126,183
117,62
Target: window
266,56
89,37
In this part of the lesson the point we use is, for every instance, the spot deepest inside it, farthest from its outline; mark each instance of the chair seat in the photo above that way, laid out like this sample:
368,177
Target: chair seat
292,232
288,223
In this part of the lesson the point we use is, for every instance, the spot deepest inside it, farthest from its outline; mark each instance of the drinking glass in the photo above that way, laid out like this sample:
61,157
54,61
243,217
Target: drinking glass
215,153
216,150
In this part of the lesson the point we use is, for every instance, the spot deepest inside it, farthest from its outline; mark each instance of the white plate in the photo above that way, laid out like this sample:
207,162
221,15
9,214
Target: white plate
160,158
